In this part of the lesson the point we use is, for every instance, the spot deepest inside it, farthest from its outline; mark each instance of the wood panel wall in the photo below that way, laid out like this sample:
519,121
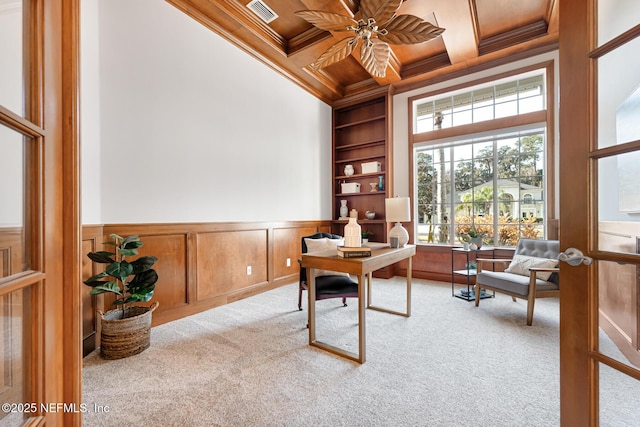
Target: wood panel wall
11,251
202,265
619,288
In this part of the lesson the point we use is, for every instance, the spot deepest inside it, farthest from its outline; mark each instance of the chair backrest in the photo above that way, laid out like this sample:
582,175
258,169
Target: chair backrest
541,249
538,248
318,236
303,271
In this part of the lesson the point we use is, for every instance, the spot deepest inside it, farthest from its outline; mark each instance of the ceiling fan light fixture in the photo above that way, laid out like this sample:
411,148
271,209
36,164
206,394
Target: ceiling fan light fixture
375,51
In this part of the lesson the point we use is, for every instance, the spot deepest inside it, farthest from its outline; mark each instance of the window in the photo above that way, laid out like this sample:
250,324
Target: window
492,180
514,97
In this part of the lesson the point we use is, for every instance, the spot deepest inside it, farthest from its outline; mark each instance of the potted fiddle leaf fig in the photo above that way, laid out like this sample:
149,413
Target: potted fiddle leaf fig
126,329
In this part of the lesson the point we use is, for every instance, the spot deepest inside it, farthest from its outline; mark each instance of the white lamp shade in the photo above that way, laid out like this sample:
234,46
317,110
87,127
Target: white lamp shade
398,209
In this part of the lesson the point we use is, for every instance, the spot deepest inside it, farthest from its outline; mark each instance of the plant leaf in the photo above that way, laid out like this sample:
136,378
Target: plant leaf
142,285
409,29
143,264
380,10
336,53
375,57
94,279
130,243
326,20
132,238
140,297
101,257
120,270
128,252
106,287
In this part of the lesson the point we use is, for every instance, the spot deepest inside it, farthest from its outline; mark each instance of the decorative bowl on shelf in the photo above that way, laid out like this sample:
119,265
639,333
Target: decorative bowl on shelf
370,214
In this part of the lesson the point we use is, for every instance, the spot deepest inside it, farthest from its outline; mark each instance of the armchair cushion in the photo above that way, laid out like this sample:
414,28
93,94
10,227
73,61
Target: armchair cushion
324,244
519,284
522,263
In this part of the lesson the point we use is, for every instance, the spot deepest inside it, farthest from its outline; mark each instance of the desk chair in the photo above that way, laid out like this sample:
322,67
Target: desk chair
329,284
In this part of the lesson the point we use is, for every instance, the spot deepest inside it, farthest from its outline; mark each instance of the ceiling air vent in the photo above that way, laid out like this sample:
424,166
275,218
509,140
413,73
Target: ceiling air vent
262,10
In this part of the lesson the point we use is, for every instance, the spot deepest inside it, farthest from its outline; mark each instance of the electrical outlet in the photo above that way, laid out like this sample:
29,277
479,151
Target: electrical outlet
248,270
288,262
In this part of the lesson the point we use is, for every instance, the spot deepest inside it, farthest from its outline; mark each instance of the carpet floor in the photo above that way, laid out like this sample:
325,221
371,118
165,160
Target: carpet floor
249,364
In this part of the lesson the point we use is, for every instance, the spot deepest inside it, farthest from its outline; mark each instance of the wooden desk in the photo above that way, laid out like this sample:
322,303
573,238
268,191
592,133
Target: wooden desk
360,267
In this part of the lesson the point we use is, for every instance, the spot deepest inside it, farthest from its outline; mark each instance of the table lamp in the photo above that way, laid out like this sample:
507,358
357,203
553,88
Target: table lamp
398,209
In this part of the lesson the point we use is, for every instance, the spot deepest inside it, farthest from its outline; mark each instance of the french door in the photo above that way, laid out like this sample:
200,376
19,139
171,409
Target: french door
39,240
599,171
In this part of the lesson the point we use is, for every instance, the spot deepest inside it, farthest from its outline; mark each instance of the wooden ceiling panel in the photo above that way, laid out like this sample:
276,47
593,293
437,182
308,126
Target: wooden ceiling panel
287,24
476,32
502,16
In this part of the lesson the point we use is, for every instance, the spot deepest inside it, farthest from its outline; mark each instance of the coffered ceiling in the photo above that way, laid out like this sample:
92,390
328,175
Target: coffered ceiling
478,34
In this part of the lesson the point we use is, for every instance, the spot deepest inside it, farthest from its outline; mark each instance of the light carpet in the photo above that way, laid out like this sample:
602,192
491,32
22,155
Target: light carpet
249,364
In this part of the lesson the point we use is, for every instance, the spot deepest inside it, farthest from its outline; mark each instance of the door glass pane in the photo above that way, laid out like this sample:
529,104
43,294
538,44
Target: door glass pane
13,247
619,398
615,17
619,96
11,71
15,336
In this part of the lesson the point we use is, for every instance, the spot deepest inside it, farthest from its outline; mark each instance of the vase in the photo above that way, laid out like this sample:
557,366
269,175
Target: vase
344,210
352,234
348,170
477,241
380,182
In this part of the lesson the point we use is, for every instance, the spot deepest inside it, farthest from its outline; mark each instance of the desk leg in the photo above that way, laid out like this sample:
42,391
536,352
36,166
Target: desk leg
311,293
409,268
361,320
360,357
407,313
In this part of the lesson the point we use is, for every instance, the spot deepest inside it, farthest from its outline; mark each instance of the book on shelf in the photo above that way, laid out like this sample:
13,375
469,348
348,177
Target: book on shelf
347,252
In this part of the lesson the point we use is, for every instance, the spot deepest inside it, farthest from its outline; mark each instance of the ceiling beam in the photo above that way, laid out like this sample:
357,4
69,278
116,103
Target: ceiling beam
457,17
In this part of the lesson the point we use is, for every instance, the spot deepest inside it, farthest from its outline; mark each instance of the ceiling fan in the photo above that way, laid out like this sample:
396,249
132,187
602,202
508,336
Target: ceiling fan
377,25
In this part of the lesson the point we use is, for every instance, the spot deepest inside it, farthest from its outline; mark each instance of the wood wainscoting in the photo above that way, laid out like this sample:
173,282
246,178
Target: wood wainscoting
619,288
202,265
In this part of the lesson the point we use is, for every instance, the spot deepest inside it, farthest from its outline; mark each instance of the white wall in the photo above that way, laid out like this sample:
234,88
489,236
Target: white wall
193,129
11,142
90,112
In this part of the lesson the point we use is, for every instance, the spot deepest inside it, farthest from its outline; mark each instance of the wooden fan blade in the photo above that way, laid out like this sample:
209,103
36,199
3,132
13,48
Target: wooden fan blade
409,29
375,57
336,53
380,10
326,20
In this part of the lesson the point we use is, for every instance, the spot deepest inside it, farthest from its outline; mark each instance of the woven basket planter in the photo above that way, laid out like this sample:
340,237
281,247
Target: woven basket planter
120,337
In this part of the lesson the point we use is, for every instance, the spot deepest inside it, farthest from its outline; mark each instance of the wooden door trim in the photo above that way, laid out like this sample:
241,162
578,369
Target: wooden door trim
72,234
576,91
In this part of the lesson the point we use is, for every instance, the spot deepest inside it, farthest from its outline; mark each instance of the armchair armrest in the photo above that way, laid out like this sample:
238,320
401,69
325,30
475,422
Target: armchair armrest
544,269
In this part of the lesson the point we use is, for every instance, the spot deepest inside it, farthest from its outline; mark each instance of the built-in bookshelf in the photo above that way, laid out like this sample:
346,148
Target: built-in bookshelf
362,135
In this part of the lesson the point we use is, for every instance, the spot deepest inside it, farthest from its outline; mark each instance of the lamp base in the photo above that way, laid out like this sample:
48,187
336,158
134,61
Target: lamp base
398,234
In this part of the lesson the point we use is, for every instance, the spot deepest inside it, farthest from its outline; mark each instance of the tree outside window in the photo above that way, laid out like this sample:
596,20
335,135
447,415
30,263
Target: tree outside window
495,185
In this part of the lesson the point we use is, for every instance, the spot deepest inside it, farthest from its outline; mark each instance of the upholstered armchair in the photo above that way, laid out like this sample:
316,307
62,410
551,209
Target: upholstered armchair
531,274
